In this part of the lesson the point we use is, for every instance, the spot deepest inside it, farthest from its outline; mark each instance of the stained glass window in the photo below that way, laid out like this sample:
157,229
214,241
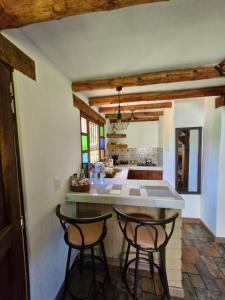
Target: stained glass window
102,154
92,141
83,125
84,141
102,131
102,143
85,158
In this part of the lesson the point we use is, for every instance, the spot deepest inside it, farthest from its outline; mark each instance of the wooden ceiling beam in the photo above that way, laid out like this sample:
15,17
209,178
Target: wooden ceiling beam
23,12
156,96
136,107
151,119
86,110
177,75
17,59
220,101
136,114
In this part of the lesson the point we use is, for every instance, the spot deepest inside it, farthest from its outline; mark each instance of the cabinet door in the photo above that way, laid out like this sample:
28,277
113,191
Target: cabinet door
145,175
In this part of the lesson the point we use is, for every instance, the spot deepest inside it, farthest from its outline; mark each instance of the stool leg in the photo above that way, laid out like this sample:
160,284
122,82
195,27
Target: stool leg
136,275
151,264
81,259
126,260
105,260
163,266
93,273
67,272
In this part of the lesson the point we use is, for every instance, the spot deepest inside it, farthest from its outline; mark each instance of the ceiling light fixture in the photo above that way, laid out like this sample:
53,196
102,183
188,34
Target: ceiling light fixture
118,124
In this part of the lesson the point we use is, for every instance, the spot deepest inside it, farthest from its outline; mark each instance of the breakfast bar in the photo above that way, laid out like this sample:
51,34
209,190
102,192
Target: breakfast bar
156,198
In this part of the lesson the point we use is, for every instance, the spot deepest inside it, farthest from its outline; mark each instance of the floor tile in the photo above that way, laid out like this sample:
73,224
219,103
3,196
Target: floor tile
189,268
203,271
196,281
190,254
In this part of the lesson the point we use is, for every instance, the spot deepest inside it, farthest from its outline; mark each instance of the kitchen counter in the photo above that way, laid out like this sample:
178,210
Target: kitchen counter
125,169
156,198
120,191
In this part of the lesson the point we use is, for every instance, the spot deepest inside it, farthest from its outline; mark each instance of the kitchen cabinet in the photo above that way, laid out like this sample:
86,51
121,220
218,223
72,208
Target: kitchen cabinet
145,174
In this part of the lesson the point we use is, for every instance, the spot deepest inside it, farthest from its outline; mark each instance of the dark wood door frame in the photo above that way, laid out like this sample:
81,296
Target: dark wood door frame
13,245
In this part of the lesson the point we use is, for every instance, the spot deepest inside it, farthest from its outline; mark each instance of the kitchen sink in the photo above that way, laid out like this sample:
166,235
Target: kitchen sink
146,165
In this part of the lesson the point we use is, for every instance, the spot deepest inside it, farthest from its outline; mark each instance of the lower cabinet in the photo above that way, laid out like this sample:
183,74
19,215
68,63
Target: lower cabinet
145,175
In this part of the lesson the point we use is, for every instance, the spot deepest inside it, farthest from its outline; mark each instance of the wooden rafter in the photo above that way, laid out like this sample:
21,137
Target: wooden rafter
23,12
16,58
156,96
151,119
179,75
136,114
86,110
220,101
136,107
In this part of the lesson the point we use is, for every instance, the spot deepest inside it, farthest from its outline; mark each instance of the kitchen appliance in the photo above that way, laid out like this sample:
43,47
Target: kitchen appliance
115,160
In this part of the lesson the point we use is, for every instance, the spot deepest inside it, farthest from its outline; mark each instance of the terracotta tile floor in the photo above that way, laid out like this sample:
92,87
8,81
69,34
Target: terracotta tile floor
203,271
203,264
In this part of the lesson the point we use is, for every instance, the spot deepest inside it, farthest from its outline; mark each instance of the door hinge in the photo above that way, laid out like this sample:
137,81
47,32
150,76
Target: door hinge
22,221
12,106
11,91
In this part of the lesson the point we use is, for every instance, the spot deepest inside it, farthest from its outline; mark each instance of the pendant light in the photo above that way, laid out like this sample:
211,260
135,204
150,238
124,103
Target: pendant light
118,124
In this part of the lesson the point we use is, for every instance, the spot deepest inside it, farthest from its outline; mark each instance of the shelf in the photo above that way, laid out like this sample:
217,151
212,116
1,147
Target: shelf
116,135
116,146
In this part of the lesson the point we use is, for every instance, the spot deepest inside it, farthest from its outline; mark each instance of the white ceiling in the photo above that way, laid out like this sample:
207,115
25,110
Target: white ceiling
150,37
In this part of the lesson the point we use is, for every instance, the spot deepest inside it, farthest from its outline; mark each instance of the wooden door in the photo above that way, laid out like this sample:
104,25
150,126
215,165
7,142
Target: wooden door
13,271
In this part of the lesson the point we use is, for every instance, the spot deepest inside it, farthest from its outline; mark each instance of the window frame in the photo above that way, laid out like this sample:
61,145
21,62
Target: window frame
88,120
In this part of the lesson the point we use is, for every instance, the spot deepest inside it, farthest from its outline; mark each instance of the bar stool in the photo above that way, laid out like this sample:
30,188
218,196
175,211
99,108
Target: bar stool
82,234
147,236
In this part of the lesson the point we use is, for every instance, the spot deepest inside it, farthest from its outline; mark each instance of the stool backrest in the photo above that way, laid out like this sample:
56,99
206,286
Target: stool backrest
65,221
156,227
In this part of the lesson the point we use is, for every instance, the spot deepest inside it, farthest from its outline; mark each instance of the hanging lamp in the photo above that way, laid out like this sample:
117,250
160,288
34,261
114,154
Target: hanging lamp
118,124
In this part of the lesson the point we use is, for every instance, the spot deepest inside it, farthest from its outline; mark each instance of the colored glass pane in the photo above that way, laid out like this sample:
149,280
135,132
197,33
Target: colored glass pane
85,158
102,143
94,136
102,154
84,142
94,156
83,125
102,131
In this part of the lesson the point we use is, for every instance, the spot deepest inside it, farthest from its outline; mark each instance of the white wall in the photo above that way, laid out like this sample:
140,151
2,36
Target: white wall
210,163
49,138
220,230
189,114
141,134
166,140
210,205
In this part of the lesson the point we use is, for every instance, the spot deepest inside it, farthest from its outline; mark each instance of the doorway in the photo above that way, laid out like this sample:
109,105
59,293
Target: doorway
13,255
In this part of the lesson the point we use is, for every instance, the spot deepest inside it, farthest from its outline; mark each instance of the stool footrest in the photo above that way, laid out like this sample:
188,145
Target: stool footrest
126,267
84,261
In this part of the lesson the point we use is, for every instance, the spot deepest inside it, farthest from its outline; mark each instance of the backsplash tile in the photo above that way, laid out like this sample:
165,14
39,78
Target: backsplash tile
139,154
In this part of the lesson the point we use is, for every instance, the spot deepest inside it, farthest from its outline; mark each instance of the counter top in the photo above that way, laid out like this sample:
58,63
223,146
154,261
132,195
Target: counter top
125,169
120,191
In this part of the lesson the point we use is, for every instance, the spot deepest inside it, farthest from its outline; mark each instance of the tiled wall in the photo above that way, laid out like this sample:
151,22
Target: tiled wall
139,154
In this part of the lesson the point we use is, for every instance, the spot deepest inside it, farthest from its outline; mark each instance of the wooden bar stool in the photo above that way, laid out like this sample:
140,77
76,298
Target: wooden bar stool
82,234
147,236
